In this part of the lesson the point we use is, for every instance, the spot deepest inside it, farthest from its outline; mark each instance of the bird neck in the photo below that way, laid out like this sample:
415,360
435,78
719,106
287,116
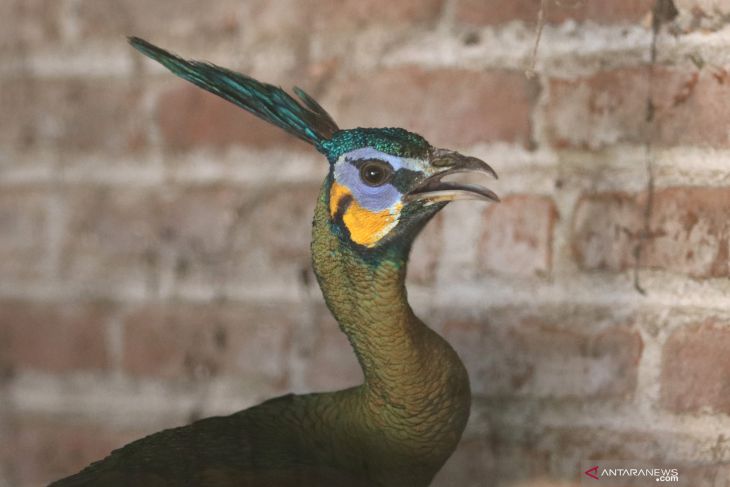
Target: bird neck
412,375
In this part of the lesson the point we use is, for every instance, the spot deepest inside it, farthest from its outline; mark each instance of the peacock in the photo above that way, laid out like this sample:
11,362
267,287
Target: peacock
400,425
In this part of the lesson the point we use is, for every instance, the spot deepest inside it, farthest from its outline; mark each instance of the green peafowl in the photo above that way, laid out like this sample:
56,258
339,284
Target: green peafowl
405,420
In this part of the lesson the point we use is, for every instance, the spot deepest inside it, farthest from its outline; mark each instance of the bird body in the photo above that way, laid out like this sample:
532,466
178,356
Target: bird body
403,422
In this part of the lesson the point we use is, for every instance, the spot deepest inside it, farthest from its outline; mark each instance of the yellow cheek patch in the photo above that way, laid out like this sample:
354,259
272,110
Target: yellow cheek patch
336,194
366,227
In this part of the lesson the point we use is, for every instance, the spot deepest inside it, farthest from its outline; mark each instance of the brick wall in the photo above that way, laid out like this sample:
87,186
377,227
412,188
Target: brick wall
154,259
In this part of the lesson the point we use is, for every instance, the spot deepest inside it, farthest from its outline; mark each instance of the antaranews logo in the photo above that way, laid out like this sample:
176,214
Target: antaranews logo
607,473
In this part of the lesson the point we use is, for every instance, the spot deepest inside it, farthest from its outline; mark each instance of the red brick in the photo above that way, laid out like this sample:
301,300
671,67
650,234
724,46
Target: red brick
191,24
52,337
28,23
196,226
214,234
425,255
517,236
530,454
288,235
47,449
18,126
610,107
197,222
478,13
190,117
254,236
606,227
165,21
450,107
198,342
692,107
689,232
548,355
112,235
604,109
470,464
23,232
695,373
71,114
329,363
329,19
564,449
355,13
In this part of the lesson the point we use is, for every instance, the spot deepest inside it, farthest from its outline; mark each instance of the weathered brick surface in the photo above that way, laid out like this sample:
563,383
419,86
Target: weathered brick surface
199,227
695,369
28,23
426,253
112,235
206,280
329,362
692,107
557,453
23,230
468,465
180,342
547,354
707,7
528,455
689,232
52,338
610,107
478,13
353,14
606,228
192,118
82,110
604,109
246,235
450,107
191,23
214,234
324,19
165,21
46,449
517,236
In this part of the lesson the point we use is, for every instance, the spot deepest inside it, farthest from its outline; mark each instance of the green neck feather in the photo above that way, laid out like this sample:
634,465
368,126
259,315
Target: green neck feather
413,378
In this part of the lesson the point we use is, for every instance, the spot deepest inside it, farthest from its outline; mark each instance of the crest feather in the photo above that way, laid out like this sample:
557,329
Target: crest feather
307,120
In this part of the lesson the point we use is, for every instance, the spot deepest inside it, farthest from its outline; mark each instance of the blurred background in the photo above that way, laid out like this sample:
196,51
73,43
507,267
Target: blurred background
154,240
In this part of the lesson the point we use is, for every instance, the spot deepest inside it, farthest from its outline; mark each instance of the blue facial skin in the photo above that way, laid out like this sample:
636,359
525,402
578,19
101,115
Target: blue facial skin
373,198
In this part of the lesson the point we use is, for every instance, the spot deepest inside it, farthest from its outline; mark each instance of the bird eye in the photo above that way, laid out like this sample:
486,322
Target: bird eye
375,173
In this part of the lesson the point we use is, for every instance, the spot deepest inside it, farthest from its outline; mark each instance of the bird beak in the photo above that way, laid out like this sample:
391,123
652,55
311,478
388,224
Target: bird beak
447,162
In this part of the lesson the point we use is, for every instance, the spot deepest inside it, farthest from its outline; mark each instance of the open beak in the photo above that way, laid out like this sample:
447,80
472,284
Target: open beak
447,162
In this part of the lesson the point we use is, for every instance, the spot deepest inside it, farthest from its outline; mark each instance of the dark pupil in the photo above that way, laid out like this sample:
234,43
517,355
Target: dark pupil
374,174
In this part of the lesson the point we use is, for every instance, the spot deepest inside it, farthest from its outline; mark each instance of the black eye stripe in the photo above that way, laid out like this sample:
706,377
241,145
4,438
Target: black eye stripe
404,179
342,206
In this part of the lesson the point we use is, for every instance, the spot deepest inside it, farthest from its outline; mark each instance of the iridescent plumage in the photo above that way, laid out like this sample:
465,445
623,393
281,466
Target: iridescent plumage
399,426
310,122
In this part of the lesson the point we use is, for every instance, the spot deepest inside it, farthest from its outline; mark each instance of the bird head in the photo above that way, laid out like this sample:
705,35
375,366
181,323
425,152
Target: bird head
387,183
383,183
